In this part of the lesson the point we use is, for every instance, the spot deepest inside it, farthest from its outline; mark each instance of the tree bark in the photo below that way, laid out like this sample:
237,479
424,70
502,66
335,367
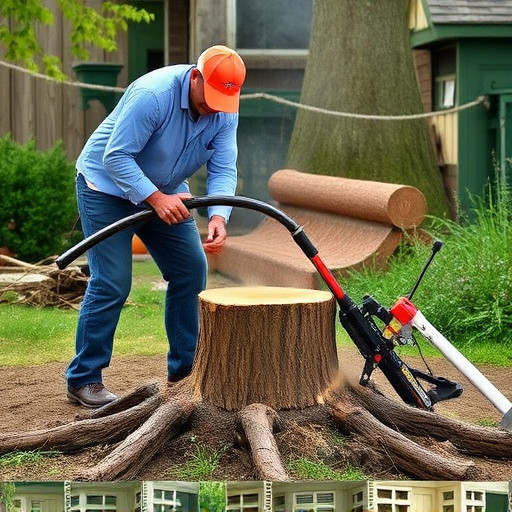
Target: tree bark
79,434
360,62
406,455
143,444
266,345
257,421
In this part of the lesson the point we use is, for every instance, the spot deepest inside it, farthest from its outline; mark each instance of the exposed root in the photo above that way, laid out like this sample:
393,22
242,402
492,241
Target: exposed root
142,445
257,421
145,421
471,439
82,433
405,454
128,401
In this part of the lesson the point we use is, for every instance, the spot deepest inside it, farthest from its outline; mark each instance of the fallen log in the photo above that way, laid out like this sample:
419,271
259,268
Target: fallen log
257,422
143,444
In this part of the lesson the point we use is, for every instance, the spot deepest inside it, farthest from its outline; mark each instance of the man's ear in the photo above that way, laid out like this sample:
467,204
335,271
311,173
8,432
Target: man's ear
194,73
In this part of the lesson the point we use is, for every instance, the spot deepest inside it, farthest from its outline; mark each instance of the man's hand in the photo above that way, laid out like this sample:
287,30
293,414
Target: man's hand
217,235
169,207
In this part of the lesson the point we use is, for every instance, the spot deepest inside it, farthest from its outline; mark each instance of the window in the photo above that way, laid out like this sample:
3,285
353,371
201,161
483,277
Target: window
444,65
357,502
448,501
243,502
393,500
165,500
98,502
313,502
93,503
278,503
475,501
36,506
267,26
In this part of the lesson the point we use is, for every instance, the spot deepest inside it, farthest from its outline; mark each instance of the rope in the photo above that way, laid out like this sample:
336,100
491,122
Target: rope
64,82
277,99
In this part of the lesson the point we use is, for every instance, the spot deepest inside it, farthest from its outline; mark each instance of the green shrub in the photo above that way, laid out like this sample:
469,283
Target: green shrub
37,199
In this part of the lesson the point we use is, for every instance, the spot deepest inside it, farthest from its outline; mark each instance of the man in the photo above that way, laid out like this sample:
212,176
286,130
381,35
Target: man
167,124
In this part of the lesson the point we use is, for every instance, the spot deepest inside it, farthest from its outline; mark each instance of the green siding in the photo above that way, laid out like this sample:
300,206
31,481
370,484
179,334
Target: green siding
483,67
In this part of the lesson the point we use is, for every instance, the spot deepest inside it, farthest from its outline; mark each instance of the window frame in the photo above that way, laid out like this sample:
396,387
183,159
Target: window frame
231,31
314,505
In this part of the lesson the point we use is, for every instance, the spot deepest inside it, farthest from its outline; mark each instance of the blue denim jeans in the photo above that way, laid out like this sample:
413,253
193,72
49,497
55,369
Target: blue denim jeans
177,251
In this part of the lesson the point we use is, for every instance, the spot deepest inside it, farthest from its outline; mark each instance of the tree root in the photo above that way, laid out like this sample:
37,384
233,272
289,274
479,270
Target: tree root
82,433
128,401
257,422
142,445
405,454
470,439
144,421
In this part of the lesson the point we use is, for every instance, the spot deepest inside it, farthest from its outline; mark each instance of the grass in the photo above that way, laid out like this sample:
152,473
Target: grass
16,459
201,466
31,335
307,469
466,294
467,291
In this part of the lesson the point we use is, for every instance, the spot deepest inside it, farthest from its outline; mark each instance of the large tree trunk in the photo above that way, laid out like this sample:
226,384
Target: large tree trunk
360,62
266,345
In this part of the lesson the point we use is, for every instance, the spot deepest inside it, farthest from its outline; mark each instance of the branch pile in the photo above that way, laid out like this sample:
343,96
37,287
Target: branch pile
40,285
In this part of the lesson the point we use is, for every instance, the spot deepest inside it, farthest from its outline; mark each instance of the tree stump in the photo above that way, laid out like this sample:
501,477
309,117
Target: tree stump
268,345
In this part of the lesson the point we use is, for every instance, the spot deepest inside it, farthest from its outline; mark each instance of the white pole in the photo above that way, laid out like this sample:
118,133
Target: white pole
479,380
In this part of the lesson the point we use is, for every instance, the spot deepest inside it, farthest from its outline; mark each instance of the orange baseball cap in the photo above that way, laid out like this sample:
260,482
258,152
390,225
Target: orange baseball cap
223,71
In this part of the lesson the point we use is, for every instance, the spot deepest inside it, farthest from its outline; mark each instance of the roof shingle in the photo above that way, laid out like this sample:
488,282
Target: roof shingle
481,12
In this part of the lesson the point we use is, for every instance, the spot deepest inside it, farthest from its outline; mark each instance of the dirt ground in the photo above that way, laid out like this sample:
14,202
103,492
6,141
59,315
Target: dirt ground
34,397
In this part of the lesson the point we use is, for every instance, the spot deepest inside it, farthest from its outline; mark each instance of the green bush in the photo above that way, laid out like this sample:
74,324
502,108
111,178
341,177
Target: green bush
37,199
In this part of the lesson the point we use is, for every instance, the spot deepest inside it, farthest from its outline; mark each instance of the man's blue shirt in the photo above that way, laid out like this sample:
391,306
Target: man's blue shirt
151,142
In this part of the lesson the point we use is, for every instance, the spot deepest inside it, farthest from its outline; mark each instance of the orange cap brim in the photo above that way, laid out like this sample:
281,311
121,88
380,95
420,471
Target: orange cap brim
216,100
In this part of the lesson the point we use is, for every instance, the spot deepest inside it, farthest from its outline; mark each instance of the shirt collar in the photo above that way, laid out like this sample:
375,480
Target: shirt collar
185,89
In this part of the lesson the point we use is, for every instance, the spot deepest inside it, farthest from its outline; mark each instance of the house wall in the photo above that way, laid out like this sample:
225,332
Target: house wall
484,67
187,491
438,496
343,493
37,498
